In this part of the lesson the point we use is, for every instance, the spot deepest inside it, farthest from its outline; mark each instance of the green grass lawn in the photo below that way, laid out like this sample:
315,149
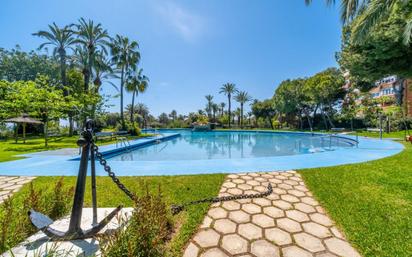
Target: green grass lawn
371,202
396,134
9,149
175,189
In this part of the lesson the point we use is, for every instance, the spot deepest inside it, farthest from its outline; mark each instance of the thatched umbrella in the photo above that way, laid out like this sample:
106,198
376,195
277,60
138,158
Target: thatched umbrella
24,119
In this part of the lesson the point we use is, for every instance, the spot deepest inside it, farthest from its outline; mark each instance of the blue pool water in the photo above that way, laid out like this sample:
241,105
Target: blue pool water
232,145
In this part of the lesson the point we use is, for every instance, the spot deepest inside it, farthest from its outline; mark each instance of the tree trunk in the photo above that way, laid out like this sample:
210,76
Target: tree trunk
324,118
132,108
271,123
241,115
121,99
229,113
46,132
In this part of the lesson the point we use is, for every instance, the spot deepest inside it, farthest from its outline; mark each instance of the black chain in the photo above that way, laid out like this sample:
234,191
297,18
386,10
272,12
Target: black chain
178,208
111,174
175,208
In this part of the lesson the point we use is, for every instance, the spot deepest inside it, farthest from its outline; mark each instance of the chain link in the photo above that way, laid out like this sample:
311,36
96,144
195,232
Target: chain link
174,208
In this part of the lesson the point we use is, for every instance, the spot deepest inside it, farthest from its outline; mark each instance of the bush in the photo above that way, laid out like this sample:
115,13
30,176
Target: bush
132,128
15,224
146,232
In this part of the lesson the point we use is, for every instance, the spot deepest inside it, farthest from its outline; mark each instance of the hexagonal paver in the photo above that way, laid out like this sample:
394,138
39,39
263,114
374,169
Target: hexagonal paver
191,250
217,213
235,191
206,222
321,219
297,215
289,225
337,233
273,212
309,200
239,216
326,255
244,186
263,248
229,185
250,231
251,208
316,230
294,251
262,202
238,181
296,193
303,207
308,242
207,238
252,183
214,252
278,236
231,205
263,220
341,248
234,244
290,198
224,226
282,204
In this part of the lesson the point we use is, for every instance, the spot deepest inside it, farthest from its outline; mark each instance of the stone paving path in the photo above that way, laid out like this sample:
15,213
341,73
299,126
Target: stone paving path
288,223
11,184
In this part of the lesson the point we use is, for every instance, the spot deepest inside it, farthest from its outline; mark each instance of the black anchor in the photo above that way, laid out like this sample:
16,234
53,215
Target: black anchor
43,222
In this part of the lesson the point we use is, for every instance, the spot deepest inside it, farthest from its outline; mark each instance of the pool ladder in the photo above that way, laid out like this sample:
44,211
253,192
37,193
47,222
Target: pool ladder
122,141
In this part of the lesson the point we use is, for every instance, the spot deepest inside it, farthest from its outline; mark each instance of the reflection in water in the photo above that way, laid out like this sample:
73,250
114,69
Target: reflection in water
231,145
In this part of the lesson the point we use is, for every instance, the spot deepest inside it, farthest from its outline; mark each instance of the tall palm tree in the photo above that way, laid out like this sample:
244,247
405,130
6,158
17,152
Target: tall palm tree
242,97
209,99
103,72
371,13
215,109
126,56
228,89
93,38
136,83
61,39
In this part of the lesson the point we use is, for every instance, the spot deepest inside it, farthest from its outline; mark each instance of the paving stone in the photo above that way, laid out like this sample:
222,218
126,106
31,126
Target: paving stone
207,238
291,182
242,201
263,220
309,200
273,197
341,248
263,248
289,225
233,176
252,183
337,233
297,215
235,191
278,236
231,205
217,213
244,186
13,187
239,216
302,188
206,222
250,231
294,251
238,181
282,204
251,208
224,226
234,244
260,188
229,185
304,207
308,242
191,251
320,209
214,252
273,212
296,193
275,181
316,230
285,186
290,198
321,219
262,202
325,255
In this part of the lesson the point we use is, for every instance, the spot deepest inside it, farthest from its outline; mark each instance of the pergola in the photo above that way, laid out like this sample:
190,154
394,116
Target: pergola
24,119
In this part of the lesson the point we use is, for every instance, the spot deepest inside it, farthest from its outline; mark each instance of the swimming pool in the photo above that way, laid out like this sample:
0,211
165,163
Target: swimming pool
233,145
179,152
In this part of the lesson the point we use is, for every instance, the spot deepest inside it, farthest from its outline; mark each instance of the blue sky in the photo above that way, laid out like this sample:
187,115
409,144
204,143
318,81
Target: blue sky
190,48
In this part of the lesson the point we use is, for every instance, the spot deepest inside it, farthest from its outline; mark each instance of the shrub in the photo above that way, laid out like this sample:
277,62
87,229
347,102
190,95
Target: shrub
15,224
146,232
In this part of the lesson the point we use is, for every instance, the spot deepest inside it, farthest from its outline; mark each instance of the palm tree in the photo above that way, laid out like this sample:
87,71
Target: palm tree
173,115
222,108
126,56
371,13
93,38
209,99
143,111
61,39
136,83
103,72
228,89
215,109
242,97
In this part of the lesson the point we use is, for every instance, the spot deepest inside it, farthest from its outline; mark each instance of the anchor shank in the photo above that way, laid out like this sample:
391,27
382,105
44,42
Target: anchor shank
94,195
76,215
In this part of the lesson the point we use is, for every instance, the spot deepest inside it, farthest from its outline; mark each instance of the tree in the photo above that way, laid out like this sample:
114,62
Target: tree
136,83
16,65
264,109
163,119
242,97
222,108
126,56
367,16
228,89
215,109
209,99
143,111
173,115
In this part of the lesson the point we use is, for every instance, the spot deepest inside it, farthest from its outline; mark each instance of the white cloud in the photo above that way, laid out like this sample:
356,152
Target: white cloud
188,24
